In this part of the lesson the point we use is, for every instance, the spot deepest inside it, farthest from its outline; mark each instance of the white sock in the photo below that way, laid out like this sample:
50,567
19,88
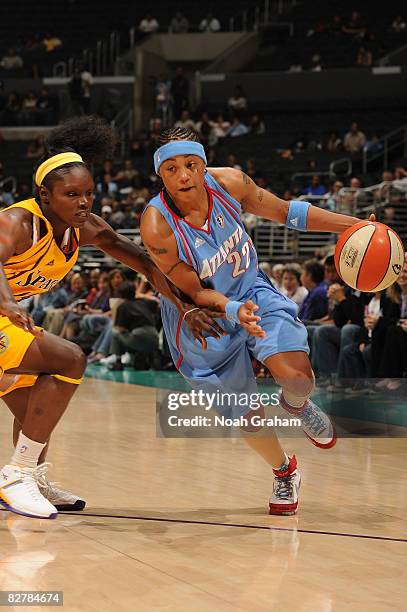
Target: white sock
294,400
26,452
283,466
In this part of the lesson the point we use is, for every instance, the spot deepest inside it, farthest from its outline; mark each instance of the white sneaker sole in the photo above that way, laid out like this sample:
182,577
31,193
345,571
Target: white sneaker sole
10,508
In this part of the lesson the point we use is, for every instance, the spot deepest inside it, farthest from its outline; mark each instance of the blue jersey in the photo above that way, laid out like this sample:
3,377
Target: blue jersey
224,258
221,252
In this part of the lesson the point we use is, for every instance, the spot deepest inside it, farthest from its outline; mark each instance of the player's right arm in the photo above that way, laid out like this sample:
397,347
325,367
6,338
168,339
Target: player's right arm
15,237
160,242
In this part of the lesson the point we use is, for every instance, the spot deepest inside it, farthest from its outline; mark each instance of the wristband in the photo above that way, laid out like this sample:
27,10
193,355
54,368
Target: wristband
297,215
232,310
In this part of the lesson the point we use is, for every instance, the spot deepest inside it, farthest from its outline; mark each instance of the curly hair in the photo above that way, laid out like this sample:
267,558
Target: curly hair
90,136
176,133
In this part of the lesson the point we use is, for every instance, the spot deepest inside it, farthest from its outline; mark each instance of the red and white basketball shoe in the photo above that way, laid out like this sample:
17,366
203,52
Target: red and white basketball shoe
315,423
284,499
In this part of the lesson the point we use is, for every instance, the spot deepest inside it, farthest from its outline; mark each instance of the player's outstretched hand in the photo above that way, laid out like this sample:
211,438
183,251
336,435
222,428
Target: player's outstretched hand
203,320
19,317
249,321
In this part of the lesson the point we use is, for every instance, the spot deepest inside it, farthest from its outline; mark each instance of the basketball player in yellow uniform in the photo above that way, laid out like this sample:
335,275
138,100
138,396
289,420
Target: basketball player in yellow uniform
39,241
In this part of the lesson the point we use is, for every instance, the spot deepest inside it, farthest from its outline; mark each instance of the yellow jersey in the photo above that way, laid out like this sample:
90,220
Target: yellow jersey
44,264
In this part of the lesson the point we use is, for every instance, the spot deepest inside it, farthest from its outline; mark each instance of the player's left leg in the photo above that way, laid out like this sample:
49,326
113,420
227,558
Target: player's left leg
293,372
287,479
17,402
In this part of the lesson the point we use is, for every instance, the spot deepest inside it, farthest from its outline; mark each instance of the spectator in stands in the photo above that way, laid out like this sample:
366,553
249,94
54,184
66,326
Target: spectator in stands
237,128
277,275
374,145
11,60
28,109
106,211
333,197
87,83
329,341
163,99
46,107
221,126
354,140
232,162
251,168
180,92
105,183
185,121
387,176
400,178
266,268
291,284
364,57
256,125
355,183
126,177
206,130
393,361
55,298
210,24
355,27
51,43
334,143
179,24
84,326
238,101
148,24
399,24
212,158
315,305
315,188
117,216
36,148
54,318
134,328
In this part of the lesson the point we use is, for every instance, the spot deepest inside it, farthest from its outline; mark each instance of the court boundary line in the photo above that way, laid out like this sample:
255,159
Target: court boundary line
236,525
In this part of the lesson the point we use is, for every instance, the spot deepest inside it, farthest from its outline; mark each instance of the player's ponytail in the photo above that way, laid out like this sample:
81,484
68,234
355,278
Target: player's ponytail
89,136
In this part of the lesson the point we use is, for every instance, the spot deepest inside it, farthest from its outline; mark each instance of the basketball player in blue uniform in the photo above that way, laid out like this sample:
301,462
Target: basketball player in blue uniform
193,232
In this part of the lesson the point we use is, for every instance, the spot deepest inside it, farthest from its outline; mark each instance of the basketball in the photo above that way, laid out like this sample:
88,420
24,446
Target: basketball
369,256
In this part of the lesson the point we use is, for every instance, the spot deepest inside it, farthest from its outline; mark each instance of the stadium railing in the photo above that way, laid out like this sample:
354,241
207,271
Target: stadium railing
387,200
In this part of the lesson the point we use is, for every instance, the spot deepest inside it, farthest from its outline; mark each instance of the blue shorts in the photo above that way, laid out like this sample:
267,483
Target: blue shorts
226,364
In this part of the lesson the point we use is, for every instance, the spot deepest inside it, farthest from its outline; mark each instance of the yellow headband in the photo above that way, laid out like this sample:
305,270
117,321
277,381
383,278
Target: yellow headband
55,162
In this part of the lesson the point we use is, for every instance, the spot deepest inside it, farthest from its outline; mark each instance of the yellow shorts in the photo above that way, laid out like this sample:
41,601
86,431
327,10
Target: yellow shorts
14,343
21,380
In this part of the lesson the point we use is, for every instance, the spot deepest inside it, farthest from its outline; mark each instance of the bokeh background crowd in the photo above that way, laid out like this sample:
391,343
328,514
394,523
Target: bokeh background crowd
345,155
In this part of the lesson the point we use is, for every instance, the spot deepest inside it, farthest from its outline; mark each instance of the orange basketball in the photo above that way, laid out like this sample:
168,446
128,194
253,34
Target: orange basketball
369,256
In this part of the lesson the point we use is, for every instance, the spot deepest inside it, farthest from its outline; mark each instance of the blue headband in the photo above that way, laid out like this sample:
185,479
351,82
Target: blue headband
178,147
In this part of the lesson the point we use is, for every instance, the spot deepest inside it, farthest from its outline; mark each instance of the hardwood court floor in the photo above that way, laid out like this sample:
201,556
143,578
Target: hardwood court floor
181,525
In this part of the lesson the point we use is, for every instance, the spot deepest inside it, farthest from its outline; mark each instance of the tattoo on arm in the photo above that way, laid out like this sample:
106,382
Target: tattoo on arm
155,250
246,179
260,195
173,267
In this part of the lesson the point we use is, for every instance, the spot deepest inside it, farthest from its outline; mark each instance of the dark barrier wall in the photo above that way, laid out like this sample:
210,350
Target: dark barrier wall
354,88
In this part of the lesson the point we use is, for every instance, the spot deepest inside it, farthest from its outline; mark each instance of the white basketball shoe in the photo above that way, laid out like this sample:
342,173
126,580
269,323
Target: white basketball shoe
61,499
315,423
284,499
19,493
